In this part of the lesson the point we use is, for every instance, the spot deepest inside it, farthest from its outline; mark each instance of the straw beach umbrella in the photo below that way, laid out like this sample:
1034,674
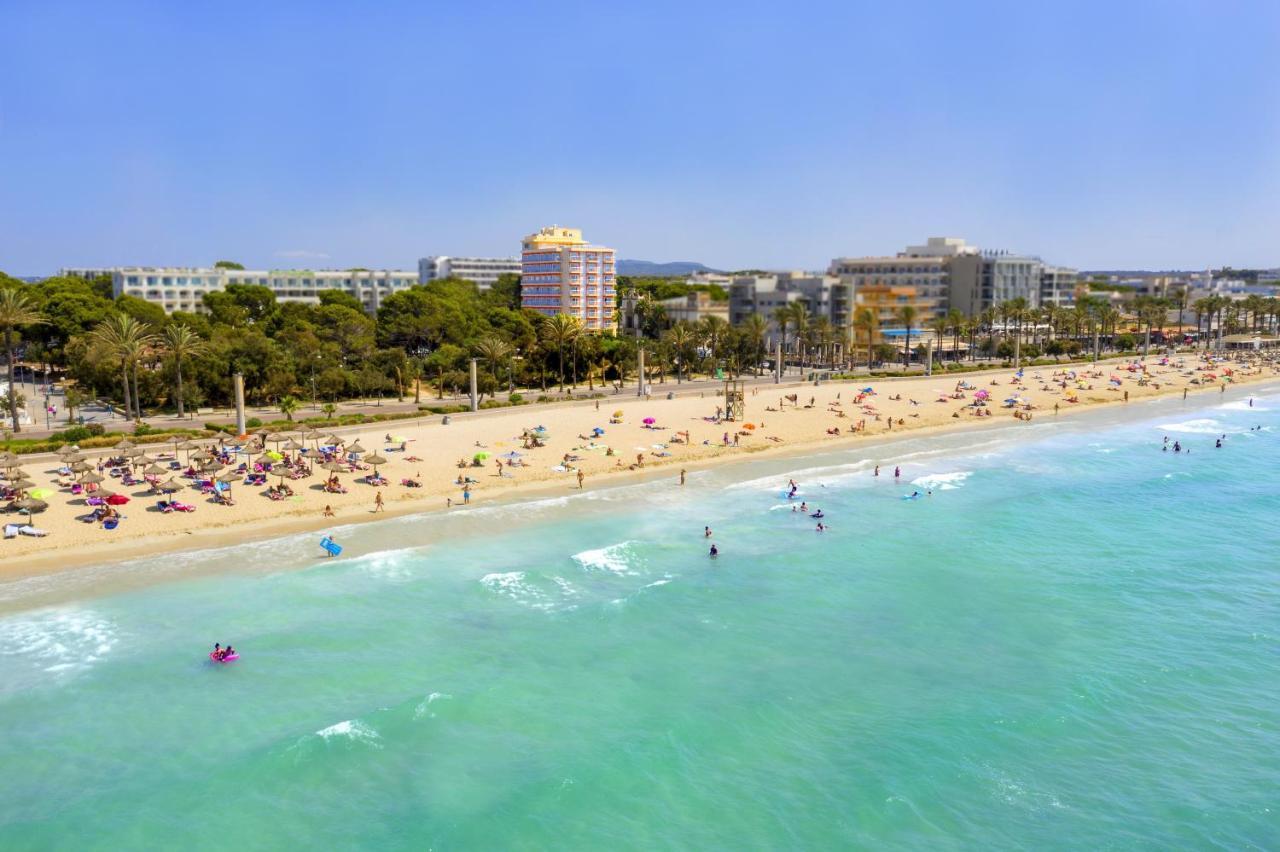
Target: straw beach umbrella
170,485
155,470
22,484
91,478
31,505
375,460
356,448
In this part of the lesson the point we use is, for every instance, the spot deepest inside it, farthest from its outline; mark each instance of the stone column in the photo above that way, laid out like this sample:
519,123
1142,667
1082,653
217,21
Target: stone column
475,400
237,382
640,370
777,363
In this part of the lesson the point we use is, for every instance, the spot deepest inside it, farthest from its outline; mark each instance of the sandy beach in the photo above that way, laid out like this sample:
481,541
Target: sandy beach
586,444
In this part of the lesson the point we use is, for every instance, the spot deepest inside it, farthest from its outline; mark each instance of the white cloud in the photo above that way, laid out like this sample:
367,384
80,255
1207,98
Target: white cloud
302,254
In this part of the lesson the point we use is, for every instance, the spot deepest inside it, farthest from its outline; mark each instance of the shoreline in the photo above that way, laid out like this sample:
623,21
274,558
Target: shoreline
103,553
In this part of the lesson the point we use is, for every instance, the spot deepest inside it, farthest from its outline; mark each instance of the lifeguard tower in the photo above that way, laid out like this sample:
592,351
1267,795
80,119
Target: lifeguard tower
735,400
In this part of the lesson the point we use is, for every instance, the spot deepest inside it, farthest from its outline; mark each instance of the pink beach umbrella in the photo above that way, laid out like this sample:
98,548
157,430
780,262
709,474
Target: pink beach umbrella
649,421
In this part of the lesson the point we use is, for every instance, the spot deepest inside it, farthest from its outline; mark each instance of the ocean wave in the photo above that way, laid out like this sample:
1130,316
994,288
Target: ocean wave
518,587
351,731
618,558
59,640
943,481
423,710
1201,426
1242,405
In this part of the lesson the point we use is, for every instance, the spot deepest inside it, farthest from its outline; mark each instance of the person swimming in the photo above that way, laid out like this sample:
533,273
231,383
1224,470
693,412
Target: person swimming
706,532
217,650
1177,447
818,514
821,528
715,551
1218,443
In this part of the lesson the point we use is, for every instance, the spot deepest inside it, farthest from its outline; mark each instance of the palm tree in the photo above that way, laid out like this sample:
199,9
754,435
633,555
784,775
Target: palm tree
680,338
127,339
712,331
819,336
939,326
755,327
782,316
182,342
907,316
494,350
288,405
955,322
865,321
560,330
16,310
800,321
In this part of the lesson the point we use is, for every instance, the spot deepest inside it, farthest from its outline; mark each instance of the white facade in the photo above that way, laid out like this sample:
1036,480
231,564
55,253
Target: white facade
925,268
484,271
183,288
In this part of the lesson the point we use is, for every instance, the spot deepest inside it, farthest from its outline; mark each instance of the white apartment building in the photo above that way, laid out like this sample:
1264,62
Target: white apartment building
924,268
183,288
484,271
1058,286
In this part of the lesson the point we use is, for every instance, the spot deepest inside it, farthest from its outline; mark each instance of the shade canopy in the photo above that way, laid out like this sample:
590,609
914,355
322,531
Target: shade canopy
355,448
375,460
171,485
92,478
336,467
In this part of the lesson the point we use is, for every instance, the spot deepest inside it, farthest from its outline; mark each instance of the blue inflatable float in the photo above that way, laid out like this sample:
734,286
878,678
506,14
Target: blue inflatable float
330,546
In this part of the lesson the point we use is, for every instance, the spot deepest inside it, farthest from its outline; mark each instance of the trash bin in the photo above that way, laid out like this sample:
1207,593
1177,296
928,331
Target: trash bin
445,420
671,395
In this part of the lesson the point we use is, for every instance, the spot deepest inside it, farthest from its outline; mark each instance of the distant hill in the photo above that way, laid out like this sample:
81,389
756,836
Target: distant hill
649,269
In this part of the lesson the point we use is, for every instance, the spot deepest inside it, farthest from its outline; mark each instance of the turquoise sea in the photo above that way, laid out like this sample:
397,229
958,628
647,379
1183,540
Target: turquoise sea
1074,643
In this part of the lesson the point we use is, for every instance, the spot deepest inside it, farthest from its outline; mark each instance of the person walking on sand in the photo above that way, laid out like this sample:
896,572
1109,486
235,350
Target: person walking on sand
897,472
377,503
877,473
682,476
466,496
581,476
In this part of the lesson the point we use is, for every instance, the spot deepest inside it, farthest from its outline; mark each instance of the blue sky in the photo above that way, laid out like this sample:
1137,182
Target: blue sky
1118,134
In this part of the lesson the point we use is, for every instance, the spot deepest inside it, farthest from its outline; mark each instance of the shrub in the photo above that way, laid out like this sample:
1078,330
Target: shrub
253,423
143,429
96,429
72,435
515,399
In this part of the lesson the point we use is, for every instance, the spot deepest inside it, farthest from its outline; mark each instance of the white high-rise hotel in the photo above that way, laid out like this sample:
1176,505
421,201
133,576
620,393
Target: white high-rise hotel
561,274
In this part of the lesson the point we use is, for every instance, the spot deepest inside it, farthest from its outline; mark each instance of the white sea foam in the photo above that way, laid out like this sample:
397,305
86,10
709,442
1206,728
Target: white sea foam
617,558
1201,426
1243,405
351,730
59,640
515,586
943,481
423,710
393,565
